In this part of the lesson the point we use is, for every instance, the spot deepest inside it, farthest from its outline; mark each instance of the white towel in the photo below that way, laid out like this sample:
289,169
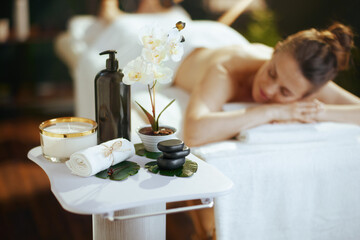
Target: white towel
92,160
295,132
302,190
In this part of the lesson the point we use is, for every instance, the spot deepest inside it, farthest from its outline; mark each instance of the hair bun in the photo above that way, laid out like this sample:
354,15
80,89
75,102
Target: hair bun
344,35
341,40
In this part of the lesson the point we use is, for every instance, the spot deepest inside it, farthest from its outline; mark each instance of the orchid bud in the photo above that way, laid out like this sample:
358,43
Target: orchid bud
180,25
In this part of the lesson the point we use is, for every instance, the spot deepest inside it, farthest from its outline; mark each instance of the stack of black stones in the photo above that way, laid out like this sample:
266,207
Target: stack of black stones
173,155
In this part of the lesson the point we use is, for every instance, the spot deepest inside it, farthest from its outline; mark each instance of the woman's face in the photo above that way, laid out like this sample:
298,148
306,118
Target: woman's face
280,80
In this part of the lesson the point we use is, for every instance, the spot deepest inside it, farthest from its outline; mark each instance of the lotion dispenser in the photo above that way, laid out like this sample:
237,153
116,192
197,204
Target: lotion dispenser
112,102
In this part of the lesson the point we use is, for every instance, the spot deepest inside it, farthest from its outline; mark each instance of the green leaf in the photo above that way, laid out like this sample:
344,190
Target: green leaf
187,170
152,167
140,151
121,171
102,174
149,116
174,172
152,155
124,169
150,164
157,120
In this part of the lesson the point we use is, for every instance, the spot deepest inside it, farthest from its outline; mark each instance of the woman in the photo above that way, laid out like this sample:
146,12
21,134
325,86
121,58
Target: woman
293,82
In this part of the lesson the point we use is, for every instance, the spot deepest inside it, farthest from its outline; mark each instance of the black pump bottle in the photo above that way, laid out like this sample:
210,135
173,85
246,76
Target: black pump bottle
112,102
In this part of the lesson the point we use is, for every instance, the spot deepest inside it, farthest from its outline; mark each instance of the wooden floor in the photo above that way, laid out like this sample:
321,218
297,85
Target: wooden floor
28,209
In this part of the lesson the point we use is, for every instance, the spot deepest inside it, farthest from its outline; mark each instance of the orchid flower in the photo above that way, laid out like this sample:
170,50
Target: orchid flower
162,74
155,56
137,70
158,47
152,38
175,45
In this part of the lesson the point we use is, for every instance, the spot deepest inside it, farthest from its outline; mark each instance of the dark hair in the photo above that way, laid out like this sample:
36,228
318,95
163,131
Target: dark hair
320,54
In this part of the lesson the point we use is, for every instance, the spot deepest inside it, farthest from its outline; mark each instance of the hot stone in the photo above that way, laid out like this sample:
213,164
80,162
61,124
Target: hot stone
170,164
178,154
172,145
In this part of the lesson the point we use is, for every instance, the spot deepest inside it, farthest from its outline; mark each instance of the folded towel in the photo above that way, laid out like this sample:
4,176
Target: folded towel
295,132
92,160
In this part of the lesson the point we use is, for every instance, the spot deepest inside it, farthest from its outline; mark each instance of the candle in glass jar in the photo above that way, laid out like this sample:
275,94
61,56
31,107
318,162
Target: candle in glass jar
61,137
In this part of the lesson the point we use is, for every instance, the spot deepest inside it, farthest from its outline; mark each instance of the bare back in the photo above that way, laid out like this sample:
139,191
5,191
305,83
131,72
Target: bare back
239,62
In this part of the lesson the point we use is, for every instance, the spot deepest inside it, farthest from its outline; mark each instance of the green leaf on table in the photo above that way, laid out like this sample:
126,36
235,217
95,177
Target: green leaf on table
152,155
120,171
152,167
140,151
103,174
187,170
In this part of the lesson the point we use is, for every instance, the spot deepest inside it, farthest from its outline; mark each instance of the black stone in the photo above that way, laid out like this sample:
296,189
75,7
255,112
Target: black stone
179,154
170,164
171,145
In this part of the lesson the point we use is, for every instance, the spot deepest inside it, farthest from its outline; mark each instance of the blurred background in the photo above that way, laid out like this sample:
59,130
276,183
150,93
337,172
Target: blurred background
35,85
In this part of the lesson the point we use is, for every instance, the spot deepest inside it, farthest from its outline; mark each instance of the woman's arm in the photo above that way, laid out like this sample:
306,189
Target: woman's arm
339,105
331,93
349,113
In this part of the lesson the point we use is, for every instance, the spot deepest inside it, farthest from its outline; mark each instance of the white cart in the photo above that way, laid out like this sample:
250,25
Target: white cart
136,207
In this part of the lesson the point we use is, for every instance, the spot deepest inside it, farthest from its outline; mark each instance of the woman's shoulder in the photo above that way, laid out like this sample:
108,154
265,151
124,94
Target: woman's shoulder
238,58
252,51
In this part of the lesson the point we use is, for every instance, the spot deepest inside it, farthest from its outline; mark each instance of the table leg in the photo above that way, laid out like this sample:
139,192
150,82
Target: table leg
145,228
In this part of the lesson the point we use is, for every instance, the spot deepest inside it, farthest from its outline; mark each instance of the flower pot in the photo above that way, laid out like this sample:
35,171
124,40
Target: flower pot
150,141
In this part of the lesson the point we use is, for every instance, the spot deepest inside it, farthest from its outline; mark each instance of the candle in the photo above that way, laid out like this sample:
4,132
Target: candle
61,137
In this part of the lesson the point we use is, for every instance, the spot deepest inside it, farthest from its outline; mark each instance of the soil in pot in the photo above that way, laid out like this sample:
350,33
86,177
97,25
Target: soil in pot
163,131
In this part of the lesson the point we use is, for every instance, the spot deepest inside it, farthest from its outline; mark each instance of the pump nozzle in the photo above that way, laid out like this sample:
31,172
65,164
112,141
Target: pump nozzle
111,62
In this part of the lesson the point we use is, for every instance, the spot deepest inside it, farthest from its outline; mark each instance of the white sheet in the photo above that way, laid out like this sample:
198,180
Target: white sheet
295,133
304,190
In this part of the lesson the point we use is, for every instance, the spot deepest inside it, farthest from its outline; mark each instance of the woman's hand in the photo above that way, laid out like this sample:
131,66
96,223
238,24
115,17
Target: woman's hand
305,112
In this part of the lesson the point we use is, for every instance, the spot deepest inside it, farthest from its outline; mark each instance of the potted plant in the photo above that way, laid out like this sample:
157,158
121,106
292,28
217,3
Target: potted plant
149,68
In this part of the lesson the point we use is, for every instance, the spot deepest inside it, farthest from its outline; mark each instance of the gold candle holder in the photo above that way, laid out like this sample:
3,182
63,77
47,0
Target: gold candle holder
61,137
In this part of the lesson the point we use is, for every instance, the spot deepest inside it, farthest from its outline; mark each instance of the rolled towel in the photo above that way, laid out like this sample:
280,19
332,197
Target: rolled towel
92,160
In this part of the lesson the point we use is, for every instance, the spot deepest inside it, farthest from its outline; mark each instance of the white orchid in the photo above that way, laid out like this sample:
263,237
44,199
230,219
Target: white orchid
137,70
158,47
151,37
174,45
155,56
162,74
